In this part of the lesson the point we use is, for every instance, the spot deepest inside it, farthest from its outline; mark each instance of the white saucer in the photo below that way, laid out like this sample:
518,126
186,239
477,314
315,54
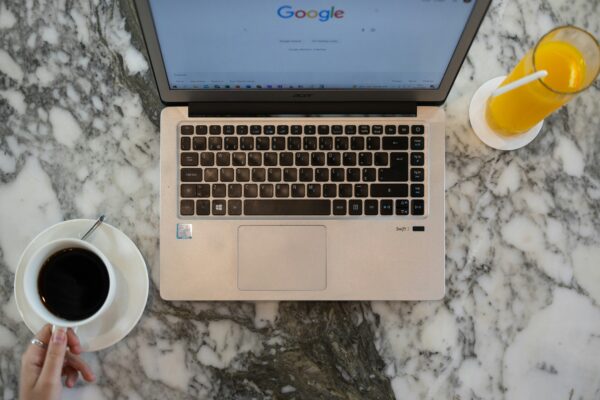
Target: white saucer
483,130
132,276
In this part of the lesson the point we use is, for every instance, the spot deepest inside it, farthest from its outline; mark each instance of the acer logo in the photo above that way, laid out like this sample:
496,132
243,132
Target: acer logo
302,95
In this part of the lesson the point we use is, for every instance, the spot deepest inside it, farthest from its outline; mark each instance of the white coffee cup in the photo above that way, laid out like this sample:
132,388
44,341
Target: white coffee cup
30,281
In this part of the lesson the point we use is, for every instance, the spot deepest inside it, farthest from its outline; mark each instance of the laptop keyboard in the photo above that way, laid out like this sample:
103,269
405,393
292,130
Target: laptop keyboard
302,170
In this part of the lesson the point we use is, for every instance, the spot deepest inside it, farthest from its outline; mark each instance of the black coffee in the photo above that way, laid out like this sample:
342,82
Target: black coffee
73,284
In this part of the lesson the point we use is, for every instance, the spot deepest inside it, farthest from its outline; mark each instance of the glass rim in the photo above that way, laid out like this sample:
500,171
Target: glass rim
594,40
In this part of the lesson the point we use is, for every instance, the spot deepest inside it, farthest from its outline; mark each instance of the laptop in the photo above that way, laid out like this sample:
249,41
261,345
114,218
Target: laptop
302,146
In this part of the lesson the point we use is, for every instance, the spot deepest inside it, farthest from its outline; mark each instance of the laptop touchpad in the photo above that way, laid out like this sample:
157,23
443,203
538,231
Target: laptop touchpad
281,257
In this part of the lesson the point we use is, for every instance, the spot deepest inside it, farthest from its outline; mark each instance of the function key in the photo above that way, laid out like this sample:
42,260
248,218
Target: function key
309,129
402,207
364,129
323,129
417,159
296,129
417,129
350,129
390,129
269,129
417,207
187,129
201,129
241,129
377,129
336,129
417,143
283,129
186,207
255,129
228,129
403,129
371,207
186,143
417,174
215,129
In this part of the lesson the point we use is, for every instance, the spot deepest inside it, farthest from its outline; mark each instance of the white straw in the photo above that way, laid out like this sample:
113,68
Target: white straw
520,82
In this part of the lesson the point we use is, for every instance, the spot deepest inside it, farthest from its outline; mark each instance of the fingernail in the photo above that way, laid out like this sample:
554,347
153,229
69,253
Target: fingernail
59,335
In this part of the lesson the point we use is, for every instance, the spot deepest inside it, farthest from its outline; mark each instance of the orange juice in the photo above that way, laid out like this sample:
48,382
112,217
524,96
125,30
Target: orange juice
520,109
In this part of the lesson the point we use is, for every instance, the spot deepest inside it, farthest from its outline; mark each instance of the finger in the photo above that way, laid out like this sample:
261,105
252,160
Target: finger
78,364
71,376
73,342
55,356
35,354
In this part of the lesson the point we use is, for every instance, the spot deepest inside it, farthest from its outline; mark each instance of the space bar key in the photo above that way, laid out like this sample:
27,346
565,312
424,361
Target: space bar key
287,207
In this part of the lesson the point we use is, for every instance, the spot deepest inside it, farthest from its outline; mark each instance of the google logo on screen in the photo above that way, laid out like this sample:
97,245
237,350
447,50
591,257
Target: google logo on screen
324,15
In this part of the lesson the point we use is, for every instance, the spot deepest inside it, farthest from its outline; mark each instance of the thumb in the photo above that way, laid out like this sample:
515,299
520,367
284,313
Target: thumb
55,356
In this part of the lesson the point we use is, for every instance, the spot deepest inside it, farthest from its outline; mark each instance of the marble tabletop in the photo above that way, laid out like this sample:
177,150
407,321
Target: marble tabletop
79,117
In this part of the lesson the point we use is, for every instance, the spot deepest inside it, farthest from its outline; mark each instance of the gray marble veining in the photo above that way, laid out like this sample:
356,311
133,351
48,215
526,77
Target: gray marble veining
521,317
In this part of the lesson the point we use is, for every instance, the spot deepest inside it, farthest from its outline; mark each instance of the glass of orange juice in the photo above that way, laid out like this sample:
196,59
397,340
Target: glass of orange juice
571,57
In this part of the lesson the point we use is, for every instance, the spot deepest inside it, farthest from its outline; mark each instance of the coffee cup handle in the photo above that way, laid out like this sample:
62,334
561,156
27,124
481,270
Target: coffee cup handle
54,327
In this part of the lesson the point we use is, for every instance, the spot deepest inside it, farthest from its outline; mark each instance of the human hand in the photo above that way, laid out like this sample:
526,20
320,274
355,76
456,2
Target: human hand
42,368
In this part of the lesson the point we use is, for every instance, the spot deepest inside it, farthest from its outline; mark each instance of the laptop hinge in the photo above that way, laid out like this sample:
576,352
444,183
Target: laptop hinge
258,109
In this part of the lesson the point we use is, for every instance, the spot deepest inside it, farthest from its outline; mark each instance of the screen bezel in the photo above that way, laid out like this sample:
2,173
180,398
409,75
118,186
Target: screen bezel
419,96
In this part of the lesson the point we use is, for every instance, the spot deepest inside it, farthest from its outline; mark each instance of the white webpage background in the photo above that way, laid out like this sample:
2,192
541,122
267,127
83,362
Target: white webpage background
380,44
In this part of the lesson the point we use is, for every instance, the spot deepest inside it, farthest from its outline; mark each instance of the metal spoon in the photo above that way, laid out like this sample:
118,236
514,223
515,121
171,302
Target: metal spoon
93,228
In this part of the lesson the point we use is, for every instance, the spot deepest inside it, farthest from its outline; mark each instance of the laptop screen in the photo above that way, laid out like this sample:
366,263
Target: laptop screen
375,44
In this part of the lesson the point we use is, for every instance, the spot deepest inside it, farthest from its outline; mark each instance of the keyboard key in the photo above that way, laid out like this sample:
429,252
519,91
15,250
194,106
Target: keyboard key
377,129
365,159
294,143
203,190
403,129
309,130
417,207
283,129
373,143
381,159
364,129
258,174
417,129
189,159
241,129
274,175
254,159
219,190
266,190
207,159
219,207
371,207
286,159
350,129
399,160
269,129
262,143
310,143
361,190
369,174
250,190
282,190
390,129
329,190
228,130
417,143
402,207
345,190
341,143
238,159
188,191
417,190
215,129
290,174
337,174
386,207
247,143
417,174
395,143
313,190
234,190
323,129
234,207
393,175
391,190
349,159
287,207
191,175
334,159
242,174
337,129
255,129
215,143
296,130
270,159
325,143
199,143
317,159
355,207
187,130
306,174
202,207
357,143
227,174
223,159
201,129
298,190
231,143
186,143
353,174
417,159
339,207
278,143
211,175
302,159
321,174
